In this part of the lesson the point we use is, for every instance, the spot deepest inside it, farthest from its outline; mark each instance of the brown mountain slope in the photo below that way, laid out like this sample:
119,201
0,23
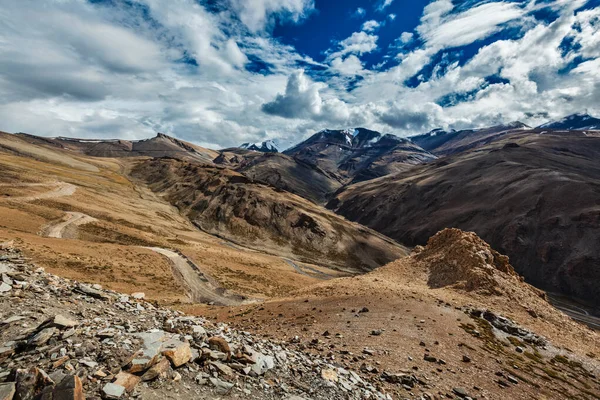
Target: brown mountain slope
281,171
159,146
533,197
450,320
223,202
444,143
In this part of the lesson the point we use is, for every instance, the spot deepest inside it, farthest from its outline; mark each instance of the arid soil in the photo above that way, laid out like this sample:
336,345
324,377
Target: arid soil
401,319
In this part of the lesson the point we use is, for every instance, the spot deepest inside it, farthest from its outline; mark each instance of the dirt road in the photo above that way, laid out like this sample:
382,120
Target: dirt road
198,286
73,218
61,189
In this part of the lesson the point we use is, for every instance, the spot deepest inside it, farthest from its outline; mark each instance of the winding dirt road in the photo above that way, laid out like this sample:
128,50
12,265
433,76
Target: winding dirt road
61,189
73,218
198,286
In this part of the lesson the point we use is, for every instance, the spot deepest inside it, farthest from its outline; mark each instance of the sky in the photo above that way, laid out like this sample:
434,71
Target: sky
223,72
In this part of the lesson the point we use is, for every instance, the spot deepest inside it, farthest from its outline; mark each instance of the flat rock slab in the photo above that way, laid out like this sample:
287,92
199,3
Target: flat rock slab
7,391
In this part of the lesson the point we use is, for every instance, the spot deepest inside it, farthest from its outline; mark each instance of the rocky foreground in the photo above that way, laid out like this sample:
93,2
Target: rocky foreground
62,340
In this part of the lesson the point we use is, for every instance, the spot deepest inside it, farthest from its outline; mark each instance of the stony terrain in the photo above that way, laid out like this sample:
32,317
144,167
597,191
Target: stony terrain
65,340
476,331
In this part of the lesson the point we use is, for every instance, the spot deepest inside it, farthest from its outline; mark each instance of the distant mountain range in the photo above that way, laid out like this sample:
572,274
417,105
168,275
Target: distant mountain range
430,141
578,122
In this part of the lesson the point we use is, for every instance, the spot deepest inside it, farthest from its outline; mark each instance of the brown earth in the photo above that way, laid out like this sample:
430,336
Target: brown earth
533,197
390,319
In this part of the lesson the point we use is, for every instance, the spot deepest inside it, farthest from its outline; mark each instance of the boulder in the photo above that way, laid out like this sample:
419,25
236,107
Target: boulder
30,383
127,380
7,391
112,391
70,388
159,370
177,352
218,343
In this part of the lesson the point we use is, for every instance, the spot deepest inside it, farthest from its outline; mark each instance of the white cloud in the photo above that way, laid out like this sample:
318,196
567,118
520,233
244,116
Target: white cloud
392,16
384,4
358,43
259,14
360,12
350,66
406,37
441,30
370,26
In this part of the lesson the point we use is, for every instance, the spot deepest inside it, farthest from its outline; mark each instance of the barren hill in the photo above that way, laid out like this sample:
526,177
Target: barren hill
533,197
451,320
159,146
281,171
226,203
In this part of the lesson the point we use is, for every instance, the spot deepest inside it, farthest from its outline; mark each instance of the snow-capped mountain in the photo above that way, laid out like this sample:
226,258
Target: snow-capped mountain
268,146
579,122
357,153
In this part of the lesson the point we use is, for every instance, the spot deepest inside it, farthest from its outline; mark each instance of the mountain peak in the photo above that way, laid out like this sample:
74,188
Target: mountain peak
268,146
578,121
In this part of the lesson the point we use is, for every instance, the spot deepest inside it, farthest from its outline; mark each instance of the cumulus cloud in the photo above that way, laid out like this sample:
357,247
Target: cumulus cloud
358,43
370,26
301,99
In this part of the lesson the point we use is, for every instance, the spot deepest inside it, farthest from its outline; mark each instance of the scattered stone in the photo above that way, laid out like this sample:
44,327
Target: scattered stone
329,375
429,358
138,295
364,310
64,322
512,379
177,352
160,369
460,392
4,287
519,349
70,388
466,358
221,387
218,343
113,391
127,380
7,391
42,336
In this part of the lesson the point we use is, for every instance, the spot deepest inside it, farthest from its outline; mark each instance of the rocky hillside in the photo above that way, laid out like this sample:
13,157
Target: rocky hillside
281,171
441,142
159,146
225,203
532,197
452,320
359,153
63,340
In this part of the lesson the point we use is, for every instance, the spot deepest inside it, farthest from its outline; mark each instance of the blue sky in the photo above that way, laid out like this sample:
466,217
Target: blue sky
223,72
